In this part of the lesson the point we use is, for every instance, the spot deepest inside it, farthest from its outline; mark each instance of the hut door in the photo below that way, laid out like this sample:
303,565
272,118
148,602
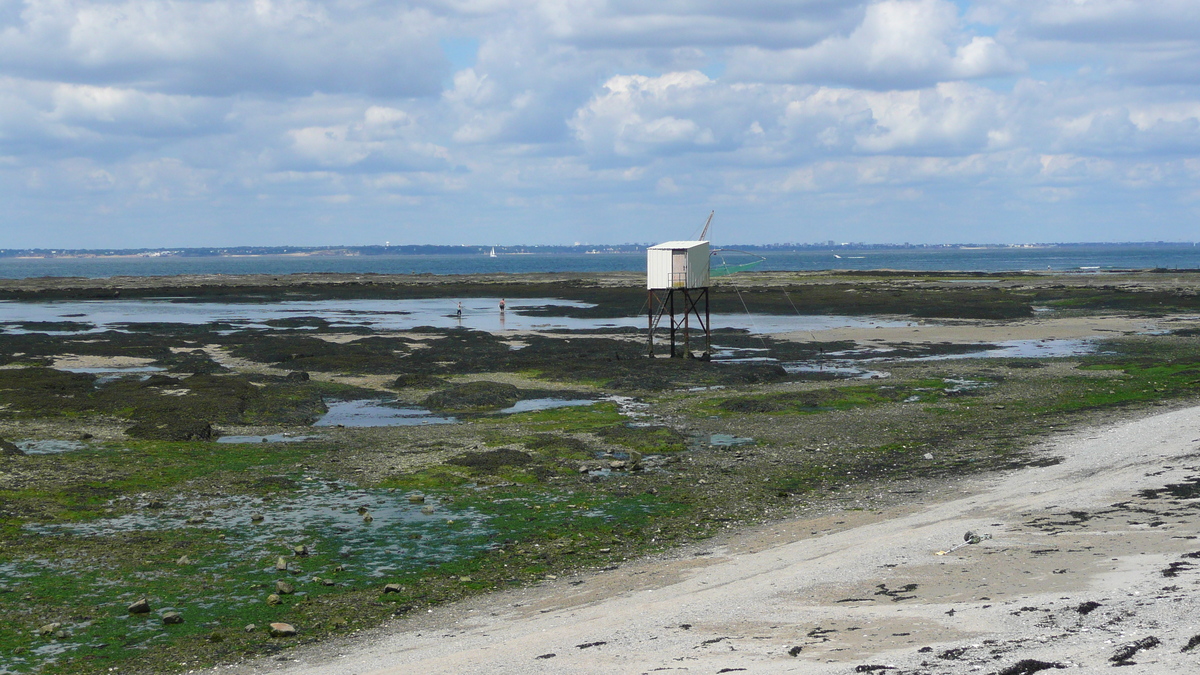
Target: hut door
679,269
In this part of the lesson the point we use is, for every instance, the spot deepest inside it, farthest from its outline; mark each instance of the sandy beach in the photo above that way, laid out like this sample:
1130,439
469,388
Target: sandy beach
1110,525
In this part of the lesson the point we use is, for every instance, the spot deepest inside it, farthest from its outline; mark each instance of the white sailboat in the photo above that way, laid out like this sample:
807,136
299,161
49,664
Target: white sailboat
493,253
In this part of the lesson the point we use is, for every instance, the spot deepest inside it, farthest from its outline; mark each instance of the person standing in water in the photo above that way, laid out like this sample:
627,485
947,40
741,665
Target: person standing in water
460,311
501,305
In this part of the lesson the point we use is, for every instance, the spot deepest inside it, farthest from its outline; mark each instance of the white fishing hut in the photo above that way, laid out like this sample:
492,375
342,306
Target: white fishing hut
677,264
678,268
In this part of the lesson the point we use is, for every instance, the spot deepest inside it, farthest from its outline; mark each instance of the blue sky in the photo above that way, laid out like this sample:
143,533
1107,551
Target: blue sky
218,122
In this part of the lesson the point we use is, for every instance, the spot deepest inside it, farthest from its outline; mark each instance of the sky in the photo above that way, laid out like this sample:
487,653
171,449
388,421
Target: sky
174,123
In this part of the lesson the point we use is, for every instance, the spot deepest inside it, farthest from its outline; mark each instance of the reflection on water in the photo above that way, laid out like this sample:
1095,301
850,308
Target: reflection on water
728,440
850,363
267,438
535,404
1027,349
375,413
478,313
837,370
48,447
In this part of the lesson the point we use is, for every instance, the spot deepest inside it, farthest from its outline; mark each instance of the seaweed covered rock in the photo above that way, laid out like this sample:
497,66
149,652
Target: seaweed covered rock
172,430
9,448
160,380
491,460
418,381
474,396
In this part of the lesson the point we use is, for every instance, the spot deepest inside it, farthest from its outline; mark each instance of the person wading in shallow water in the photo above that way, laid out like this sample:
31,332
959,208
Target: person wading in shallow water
460,311
501,304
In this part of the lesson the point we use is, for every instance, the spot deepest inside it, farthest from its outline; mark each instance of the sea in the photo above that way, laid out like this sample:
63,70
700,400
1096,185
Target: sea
1073,258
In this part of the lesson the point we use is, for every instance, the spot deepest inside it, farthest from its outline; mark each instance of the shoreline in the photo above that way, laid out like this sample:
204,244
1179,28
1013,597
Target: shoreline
858,588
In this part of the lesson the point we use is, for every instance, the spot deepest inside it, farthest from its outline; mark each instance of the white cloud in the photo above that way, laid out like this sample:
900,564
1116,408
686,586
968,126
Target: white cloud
898,44
629,118
220,47
383,139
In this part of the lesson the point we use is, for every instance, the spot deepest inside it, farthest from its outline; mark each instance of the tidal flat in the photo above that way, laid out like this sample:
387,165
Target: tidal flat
114,487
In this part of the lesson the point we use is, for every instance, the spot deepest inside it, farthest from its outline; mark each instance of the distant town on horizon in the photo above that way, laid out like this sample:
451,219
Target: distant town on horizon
522,249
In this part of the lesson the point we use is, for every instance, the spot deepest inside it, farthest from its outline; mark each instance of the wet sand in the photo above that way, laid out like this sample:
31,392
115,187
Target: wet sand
863,588
961,331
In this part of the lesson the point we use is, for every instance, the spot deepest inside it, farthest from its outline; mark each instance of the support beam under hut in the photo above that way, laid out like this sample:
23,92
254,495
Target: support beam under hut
677,274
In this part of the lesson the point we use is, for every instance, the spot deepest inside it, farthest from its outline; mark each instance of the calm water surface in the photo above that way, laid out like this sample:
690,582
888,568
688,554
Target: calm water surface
1088,259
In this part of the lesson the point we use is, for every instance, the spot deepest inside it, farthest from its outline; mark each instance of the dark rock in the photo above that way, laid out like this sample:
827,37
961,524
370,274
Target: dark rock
9,448
546,656
172,430
1191,644
297,376
418,381
141,606
1029,666
159,380
795,651
1088,607
172,618
474,396
491,460
1127,652
871,668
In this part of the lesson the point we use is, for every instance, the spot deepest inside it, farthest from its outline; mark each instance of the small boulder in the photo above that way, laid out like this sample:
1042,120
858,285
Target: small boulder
297,376
473,396
172,618
281,564
416,498
250,628
257,517
393,588
9,448
141,606
427,510
49,629
183,560
174,429
282,630
300,550
284,588
273,599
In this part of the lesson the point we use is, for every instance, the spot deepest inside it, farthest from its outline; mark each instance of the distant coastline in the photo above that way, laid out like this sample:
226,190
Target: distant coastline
484,250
